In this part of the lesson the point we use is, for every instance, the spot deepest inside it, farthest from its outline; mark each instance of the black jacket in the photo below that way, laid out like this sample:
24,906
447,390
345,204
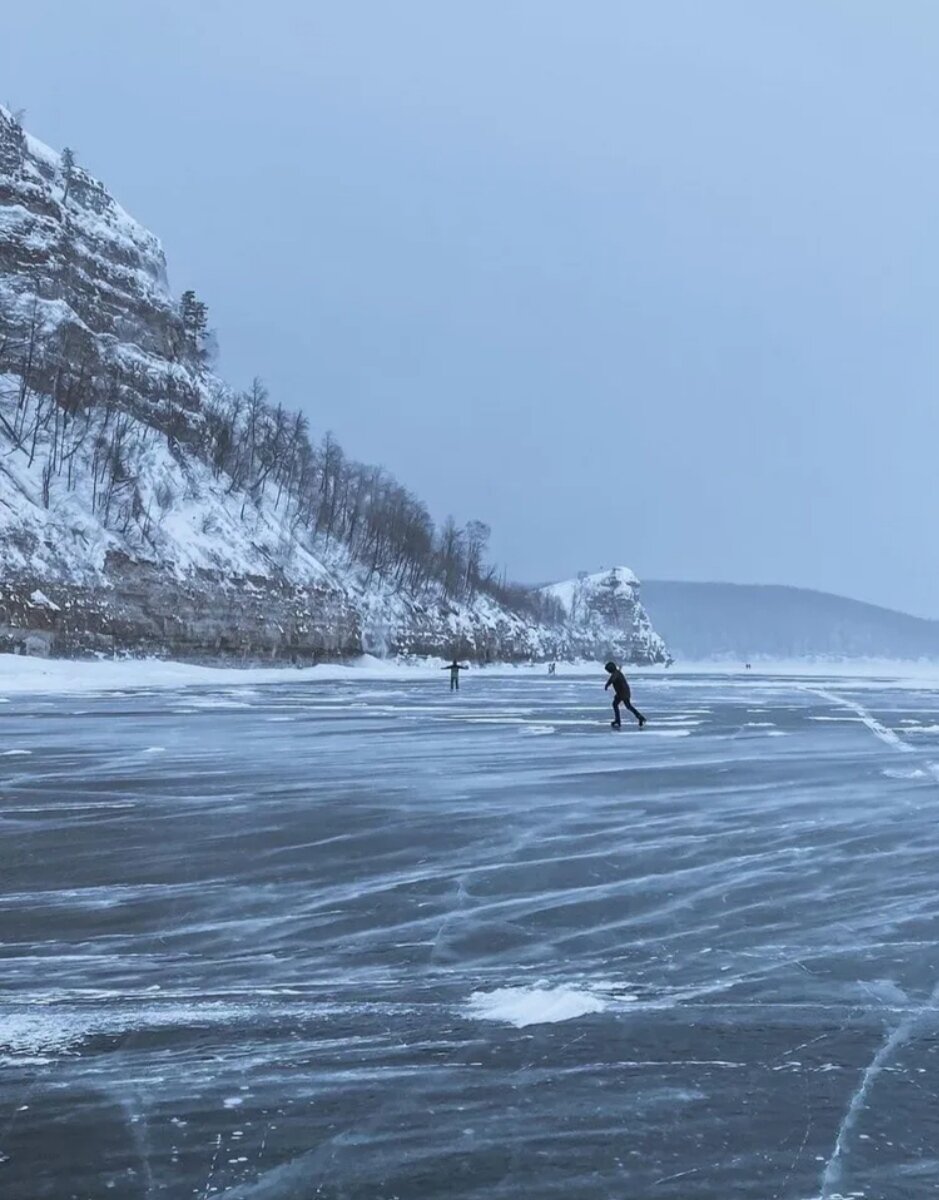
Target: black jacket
620,686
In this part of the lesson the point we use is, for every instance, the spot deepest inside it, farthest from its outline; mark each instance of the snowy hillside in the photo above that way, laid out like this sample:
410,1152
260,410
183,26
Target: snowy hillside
145,506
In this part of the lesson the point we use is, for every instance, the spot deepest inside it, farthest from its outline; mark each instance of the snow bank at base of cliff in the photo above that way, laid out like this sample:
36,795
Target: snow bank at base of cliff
20,673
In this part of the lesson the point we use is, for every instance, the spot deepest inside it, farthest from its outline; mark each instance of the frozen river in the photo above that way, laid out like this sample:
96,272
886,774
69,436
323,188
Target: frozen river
371,941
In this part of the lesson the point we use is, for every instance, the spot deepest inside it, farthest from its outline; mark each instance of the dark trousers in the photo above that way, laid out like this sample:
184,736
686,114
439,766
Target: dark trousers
454,682
627,702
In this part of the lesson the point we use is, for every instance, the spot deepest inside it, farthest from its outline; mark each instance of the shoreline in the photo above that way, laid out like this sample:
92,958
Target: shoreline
21,674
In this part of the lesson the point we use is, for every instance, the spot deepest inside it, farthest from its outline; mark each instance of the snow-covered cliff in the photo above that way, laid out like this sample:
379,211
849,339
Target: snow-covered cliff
73,263
146,507
604,616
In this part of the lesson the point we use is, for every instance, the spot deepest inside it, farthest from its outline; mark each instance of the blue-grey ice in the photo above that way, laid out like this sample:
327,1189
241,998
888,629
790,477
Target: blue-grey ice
374,940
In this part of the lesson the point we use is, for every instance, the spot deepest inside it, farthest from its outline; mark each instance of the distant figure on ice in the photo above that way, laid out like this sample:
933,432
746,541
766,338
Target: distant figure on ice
621,695
455,668
551,668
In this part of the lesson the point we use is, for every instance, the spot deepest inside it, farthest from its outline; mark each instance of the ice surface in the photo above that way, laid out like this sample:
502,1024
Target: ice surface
358,936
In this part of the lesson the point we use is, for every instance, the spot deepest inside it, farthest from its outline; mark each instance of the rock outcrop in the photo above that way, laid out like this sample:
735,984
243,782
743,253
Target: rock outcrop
604,617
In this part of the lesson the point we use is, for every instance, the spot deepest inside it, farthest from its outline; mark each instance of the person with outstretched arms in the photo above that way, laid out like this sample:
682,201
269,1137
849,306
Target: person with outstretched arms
455,668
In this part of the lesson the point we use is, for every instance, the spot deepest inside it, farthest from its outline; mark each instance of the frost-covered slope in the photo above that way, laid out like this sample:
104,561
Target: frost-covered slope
146,506
604,609
186,566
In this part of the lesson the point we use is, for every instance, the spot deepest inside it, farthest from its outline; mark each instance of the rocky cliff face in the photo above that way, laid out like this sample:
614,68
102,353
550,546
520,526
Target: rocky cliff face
604,618
120,530
66,238
85,282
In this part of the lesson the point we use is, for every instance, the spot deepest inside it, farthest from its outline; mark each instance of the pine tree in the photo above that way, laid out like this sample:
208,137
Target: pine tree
68,171
194,315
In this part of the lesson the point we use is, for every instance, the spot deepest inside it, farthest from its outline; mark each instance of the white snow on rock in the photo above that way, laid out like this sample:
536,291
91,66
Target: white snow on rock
41,599
604,608
573,593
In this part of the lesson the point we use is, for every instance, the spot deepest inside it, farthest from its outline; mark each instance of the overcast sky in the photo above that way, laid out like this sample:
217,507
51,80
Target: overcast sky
643,283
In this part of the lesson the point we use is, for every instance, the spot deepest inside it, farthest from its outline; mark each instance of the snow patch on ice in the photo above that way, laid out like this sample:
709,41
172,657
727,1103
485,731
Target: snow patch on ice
523,1006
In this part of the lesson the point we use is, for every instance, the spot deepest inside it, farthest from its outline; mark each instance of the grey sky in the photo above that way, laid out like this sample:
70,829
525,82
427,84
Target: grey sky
652,283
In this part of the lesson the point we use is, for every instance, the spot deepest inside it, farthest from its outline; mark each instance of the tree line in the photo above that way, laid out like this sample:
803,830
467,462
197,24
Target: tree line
87,416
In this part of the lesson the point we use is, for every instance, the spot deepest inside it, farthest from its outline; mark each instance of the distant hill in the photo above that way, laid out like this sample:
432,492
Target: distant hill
750,621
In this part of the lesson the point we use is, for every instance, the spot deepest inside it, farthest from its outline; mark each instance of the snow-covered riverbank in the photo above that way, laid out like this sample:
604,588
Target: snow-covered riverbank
24,674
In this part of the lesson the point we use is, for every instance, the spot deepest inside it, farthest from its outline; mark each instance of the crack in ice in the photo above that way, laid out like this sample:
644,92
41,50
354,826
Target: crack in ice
831,1176
887,735
834,1167
877,728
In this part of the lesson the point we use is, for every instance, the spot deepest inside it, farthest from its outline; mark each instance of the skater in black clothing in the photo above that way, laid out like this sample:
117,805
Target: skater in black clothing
455,668
621,695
